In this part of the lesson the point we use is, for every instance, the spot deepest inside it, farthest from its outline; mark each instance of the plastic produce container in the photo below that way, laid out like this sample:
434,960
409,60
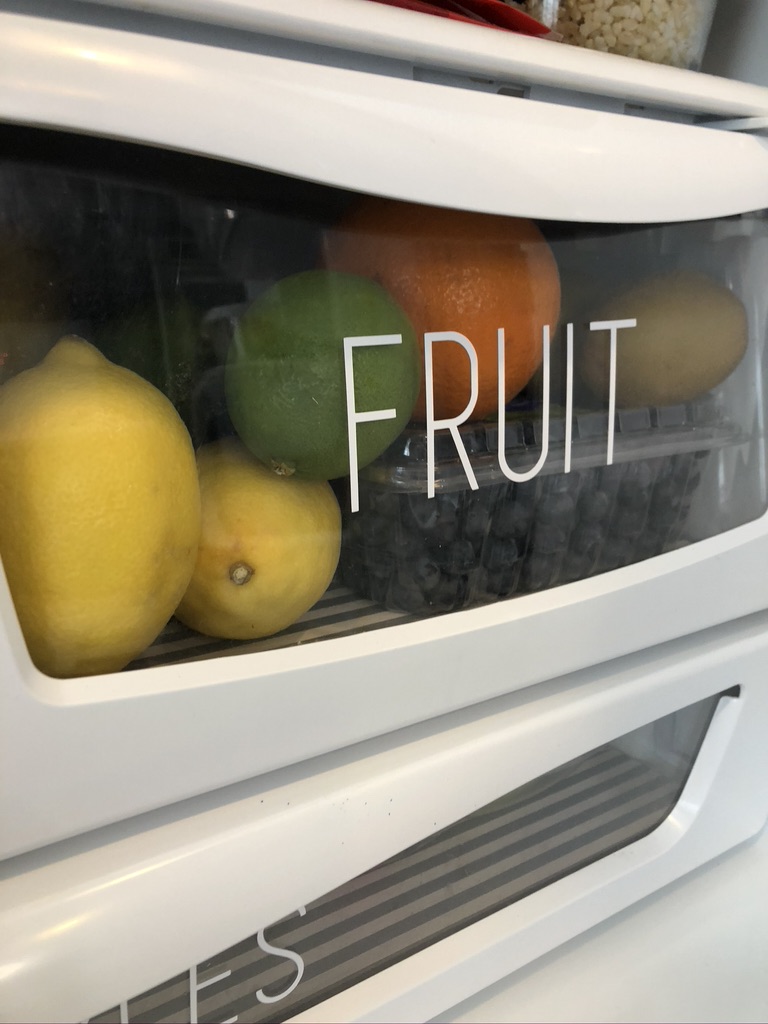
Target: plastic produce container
467,547
663,31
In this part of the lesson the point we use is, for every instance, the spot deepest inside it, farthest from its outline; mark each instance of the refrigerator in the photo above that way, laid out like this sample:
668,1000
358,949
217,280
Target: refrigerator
451,340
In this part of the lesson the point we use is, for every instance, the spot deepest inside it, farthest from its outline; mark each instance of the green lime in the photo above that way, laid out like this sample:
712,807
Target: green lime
286,379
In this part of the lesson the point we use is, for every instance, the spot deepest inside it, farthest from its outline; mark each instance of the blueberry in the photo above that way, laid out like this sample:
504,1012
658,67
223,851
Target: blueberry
665,509
547,539
382,503
446,527
637,479
513,519
587,539
556,509
499,554
446,531
426,574
352,529
527,493
448,501
503,518
629,522
381,565
616,552
378,588
420,513
666,493
649,544
611,476
570,483
502,582
462,558
354,574
449,594
594,506
539,571
632,496
376,531
576,567
475,520
455,558
480,586
408,548
664,522
588,480
405,595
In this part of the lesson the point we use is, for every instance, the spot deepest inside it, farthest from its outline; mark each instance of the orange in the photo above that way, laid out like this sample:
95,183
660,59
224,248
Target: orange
454,270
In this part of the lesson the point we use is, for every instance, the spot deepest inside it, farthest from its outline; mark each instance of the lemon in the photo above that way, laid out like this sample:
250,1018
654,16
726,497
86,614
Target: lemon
269,546
691,334
99,509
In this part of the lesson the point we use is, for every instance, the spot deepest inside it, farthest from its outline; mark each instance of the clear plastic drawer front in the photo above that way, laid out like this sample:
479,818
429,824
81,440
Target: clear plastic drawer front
241,411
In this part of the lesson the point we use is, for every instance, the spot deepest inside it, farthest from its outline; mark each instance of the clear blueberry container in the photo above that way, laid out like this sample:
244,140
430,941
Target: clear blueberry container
465,547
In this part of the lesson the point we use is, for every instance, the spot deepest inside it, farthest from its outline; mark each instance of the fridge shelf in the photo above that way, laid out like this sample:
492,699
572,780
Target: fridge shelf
340,612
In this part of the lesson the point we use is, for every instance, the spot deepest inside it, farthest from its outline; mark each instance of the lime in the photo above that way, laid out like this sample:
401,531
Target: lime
286,382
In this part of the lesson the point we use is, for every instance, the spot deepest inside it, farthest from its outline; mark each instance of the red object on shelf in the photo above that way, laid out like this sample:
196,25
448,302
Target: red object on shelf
492,13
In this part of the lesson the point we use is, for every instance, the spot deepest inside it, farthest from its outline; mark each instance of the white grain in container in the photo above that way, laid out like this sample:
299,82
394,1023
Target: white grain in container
663,31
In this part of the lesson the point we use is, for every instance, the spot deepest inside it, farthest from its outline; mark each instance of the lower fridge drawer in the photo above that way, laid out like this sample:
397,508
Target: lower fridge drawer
397,878
652,962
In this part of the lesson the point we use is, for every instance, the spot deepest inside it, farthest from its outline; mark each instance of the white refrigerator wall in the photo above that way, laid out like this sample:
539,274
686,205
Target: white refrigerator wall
737,43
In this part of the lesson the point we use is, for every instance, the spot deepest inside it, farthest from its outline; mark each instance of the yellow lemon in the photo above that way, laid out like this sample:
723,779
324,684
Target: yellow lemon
99,509
268,549
691,334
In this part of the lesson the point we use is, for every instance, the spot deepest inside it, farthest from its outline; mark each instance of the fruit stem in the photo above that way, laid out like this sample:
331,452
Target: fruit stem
240,573
282,468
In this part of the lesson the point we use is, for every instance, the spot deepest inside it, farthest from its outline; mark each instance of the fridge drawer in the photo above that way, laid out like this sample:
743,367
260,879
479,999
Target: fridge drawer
492,538
395,880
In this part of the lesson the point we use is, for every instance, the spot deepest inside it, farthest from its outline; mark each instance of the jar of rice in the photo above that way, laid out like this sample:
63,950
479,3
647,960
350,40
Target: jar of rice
663,31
